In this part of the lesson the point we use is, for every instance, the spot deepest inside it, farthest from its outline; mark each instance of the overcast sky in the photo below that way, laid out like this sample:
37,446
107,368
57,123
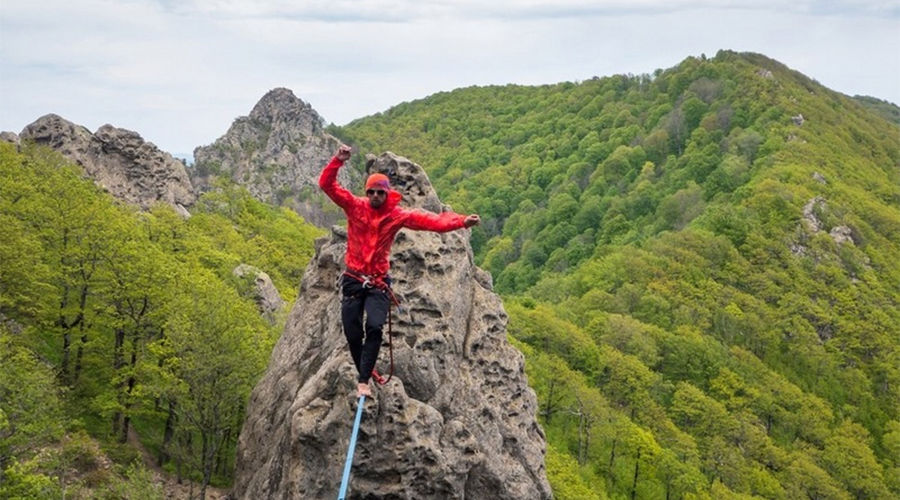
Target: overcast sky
180,71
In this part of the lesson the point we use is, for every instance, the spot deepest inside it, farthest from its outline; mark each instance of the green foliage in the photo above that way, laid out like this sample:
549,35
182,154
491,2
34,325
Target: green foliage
693,324
137,315
26,481
565,479
886,109
684,322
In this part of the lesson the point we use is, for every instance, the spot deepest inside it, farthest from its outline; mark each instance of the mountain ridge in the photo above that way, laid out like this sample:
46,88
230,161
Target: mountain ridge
728,207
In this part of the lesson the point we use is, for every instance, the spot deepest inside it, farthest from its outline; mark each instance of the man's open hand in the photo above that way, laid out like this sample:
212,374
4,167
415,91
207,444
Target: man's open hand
472,220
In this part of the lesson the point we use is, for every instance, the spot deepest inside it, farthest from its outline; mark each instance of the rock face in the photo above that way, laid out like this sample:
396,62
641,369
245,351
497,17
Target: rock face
119,160
9,137
457,420
267,298
276,153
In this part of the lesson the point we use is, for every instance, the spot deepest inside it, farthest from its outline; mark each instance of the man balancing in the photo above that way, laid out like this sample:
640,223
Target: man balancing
372,223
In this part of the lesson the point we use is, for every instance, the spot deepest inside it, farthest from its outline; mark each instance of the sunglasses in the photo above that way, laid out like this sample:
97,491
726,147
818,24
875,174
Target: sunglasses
379,192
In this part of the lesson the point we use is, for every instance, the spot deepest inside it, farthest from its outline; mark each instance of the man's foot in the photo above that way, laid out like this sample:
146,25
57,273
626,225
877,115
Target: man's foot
362,389
378,378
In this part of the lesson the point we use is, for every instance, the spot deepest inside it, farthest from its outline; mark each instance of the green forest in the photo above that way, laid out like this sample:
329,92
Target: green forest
701,266
116,322
668,250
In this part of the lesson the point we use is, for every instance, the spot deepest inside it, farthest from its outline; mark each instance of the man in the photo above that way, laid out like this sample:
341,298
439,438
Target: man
372,223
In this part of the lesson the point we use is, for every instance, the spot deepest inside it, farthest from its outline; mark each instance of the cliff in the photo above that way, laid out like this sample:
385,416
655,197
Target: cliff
458,418
119,160
276,153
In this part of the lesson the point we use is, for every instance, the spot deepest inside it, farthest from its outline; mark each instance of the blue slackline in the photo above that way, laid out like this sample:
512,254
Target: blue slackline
349,461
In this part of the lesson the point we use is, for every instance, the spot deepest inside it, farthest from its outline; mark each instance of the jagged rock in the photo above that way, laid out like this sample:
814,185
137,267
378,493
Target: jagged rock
268,300
819,178
9,137
119,160
457,420
797,249
841,234
182,211
809,213
765,74
798,119
276,153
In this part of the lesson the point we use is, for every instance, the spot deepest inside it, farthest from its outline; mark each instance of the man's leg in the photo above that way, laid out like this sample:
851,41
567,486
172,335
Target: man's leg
352,316
376,306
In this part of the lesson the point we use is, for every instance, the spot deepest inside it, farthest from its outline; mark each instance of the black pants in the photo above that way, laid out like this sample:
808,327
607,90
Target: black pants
375,303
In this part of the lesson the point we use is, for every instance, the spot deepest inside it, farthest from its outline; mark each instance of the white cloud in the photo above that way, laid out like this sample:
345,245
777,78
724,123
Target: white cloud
179,72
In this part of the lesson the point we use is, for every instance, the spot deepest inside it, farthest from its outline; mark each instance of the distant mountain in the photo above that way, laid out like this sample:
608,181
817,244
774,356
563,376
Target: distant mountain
276,153
119,160
701,264
888,110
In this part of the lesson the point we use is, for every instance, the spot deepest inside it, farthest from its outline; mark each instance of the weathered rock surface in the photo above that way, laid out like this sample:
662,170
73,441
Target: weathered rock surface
276,153
119,160
457,420
809,213
267,298
11,137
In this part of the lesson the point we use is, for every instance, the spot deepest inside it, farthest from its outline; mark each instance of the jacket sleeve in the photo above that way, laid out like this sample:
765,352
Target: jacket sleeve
328,182
421,220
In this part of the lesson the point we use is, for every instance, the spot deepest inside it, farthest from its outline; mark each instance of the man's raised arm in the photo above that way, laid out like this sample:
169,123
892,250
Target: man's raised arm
328,180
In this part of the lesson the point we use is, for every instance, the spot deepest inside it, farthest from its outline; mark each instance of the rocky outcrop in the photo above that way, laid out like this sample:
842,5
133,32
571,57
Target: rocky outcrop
809,213
266,296
10,137
458,420
119,160
276,153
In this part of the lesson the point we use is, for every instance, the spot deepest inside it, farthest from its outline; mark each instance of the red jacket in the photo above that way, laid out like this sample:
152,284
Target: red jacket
371,231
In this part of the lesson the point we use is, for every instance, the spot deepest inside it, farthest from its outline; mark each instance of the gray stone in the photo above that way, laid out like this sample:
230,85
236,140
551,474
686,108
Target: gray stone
277,153
119,160
11,137
267,298
819,178
842,234
457,421
798,119
809,213
182,211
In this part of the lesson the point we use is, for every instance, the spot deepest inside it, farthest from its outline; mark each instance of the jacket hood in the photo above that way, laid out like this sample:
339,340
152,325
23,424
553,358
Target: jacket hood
393,199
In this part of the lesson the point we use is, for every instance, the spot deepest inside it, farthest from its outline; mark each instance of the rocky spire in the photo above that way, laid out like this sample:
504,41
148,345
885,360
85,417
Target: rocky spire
457,420
276,153
119,160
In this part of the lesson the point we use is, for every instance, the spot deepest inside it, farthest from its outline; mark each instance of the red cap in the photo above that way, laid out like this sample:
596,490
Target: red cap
378,181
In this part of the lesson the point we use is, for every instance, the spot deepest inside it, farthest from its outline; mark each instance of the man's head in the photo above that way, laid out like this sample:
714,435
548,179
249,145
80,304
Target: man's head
377,187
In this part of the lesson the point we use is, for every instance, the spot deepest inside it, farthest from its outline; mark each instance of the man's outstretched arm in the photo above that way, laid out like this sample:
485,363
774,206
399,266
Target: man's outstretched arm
328,179
421,220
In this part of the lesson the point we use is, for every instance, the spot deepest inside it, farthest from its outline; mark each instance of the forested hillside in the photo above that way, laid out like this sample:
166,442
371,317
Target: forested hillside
114,320
702,266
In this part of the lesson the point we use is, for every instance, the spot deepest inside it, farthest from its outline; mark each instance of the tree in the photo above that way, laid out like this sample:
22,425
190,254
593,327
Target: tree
30,408
849,459
213,349
677,210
